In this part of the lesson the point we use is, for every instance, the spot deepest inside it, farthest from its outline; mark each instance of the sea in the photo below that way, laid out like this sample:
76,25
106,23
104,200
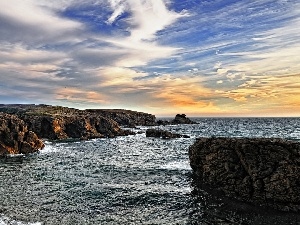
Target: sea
131,180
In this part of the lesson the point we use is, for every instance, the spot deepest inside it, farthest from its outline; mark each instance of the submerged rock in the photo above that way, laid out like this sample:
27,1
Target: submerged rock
257,170
163,134
15,138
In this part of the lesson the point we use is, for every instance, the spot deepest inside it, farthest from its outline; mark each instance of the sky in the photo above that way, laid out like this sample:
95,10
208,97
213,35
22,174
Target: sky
198,57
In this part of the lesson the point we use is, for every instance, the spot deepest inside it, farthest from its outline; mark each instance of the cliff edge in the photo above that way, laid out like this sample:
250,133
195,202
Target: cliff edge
258,170
15,138
57,122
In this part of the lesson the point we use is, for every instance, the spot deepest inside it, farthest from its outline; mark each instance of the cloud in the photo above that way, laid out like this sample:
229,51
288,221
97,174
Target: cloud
147,17
79,95
31,21
119,7
267,93
138,53
272,51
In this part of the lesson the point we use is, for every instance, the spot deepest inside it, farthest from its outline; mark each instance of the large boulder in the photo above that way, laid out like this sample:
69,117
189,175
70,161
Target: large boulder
15,138
257,170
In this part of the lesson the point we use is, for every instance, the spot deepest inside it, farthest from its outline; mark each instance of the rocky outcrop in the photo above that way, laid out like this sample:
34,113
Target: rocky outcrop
257,170
182,119
73,126
179,119
126,117
157,133
56,122
15,138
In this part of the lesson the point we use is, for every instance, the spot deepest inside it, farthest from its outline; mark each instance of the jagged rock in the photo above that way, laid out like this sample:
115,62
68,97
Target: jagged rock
74,126
126,117
163,134
258,170
15,138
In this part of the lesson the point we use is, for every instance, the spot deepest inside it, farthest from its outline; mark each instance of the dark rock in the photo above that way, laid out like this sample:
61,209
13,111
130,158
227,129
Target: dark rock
126,117
179,119
15,138
257,170
157,133
56,122
182,119
86,126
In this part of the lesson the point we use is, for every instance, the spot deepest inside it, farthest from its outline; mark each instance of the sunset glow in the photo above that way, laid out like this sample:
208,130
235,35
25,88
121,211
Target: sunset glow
201,58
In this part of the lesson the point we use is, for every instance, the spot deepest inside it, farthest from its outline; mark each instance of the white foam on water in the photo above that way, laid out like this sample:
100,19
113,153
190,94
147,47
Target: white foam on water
15,155
49,148
7,221
176,165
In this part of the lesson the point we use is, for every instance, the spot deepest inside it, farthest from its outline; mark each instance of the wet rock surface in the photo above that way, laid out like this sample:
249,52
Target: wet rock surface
15,138
158,133
257,170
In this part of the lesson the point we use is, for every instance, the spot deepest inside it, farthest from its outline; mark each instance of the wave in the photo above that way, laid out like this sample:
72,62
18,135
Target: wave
7,221
176,165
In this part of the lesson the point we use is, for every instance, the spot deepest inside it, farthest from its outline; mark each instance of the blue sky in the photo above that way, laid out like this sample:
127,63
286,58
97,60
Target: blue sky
202,58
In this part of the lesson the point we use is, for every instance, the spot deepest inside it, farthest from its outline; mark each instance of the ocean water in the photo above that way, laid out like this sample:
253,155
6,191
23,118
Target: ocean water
130,180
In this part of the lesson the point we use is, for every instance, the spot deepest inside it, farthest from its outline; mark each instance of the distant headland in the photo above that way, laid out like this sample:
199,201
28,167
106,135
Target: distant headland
59,123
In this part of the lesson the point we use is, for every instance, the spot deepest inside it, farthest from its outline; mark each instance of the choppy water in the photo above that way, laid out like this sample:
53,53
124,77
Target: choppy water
129,180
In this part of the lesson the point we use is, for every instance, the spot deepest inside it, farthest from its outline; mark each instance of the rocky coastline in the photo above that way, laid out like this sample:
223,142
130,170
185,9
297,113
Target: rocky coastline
60,123
15,138
56,122
256,170
22,126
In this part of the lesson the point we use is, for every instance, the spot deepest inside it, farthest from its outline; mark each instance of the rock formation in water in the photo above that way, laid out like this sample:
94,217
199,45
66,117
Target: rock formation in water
257,170
182,119
157,133
126,117
56,122
179,119
15,138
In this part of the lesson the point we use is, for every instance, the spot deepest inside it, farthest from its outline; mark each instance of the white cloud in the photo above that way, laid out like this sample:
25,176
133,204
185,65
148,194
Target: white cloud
148,17
118,7
36,15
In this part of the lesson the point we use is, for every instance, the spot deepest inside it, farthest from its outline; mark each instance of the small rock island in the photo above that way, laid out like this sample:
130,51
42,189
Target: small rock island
257,170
